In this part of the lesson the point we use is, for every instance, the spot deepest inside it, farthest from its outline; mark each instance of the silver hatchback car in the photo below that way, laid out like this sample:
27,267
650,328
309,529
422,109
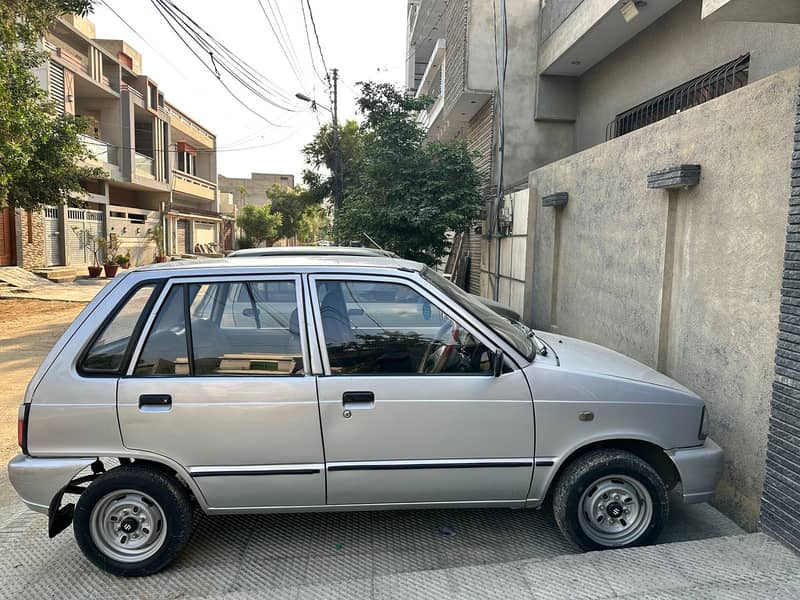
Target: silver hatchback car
318,383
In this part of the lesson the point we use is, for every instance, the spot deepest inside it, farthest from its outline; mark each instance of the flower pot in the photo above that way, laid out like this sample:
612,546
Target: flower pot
111,270
95,271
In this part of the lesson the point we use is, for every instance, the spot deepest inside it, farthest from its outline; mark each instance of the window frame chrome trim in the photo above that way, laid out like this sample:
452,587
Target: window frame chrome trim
212,279
453,312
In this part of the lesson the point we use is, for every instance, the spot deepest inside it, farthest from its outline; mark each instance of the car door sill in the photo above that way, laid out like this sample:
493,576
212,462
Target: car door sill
365,507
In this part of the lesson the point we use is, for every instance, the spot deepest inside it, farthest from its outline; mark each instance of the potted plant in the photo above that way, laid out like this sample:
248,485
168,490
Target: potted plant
123,260
91,242
157,236
110,248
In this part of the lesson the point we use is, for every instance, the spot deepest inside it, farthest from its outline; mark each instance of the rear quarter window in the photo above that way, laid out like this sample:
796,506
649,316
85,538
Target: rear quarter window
112,344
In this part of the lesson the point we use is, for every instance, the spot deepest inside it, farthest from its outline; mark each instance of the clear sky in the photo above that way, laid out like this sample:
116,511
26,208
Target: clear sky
364,39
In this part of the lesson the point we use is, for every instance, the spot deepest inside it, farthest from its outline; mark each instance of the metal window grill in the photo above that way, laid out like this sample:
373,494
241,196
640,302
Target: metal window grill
713,84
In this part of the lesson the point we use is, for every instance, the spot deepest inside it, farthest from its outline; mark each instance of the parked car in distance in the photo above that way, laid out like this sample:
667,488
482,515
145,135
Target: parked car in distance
210,385
331,250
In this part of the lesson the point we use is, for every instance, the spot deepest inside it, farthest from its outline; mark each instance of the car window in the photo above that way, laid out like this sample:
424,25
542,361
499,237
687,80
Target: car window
375,328
109,348
165,352
248,328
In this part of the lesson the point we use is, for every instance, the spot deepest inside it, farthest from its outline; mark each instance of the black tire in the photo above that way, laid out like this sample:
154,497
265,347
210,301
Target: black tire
165,490
588,469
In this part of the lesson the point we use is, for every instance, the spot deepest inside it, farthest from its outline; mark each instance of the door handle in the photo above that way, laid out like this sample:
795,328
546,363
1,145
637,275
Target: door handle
155,402
358,400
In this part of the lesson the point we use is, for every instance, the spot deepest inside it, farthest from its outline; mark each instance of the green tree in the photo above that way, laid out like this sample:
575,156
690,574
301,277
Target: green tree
314,224
260,224
319,154
290,204
406,192
40,151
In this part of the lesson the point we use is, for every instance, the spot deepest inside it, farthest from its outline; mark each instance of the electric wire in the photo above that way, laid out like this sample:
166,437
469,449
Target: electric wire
308,43
220,56
319,46
157,6
281,41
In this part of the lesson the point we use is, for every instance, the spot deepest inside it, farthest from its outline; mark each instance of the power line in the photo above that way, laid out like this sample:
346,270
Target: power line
287,37
137,34
319,46
281,41
228,61
221,54
308,43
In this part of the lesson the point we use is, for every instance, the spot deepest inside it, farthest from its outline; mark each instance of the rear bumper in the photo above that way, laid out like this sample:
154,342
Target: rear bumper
38,480
699,468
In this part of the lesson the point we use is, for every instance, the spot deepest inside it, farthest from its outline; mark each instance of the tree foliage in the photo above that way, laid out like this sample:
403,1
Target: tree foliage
400,189
259,224
39,149
319,154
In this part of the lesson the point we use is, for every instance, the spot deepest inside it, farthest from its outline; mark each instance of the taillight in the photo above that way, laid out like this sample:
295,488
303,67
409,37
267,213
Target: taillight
22,427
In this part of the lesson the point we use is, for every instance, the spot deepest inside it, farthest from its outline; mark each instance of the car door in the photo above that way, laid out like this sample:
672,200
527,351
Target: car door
220,383
410,409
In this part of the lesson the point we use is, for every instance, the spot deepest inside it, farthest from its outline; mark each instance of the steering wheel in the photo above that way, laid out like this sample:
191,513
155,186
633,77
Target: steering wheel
446,339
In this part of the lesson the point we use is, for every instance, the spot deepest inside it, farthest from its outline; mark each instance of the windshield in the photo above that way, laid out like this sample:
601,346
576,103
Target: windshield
514,333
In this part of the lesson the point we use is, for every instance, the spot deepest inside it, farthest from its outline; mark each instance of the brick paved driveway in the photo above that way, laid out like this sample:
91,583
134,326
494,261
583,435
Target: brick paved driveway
304,555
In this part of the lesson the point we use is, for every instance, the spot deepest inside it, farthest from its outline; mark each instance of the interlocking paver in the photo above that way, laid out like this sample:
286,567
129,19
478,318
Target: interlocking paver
408,554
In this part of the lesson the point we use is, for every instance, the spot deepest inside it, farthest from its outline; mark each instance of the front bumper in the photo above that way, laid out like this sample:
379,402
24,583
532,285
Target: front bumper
699,468
38,480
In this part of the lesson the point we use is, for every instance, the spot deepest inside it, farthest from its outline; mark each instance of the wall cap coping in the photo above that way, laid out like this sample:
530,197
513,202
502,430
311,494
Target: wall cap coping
678,176
556,199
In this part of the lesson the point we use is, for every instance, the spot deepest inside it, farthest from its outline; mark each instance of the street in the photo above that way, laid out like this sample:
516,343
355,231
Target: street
478,553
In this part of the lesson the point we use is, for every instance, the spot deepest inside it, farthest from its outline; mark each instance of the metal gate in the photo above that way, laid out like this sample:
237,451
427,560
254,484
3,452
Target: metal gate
7,243
183,238
52,236
81,223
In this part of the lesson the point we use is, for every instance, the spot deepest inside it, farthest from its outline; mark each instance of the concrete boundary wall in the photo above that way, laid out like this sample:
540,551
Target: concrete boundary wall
687,281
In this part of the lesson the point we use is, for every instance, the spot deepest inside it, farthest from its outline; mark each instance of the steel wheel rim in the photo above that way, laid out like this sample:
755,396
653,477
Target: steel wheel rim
128,526
615,510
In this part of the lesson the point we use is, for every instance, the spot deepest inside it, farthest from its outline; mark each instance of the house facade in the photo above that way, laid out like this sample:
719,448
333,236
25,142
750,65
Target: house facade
663,153
161,164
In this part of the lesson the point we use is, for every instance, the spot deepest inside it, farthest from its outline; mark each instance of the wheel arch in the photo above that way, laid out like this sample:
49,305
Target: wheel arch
650,452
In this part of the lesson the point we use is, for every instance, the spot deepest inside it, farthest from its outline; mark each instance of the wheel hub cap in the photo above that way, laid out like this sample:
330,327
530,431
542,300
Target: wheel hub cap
128,526
615,510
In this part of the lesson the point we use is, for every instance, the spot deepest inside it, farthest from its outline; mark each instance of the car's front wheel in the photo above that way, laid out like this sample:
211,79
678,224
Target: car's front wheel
610,499
133,520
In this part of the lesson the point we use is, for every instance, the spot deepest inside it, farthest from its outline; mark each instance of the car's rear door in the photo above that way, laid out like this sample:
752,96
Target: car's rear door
411,412
220,383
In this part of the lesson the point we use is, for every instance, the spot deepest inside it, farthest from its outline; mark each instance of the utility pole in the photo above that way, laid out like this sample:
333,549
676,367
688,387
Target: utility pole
338,182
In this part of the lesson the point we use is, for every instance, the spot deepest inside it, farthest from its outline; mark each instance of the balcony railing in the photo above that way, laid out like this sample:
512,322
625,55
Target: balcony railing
144,165
187,121
100,150
193,185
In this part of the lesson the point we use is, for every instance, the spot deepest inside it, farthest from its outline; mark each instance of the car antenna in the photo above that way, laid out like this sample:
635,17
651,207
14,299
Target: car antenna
376,244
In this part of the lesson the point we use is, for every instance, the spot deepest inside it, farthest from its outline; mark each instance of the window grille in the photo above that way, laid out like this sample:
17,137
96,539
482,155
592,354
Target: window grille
713,84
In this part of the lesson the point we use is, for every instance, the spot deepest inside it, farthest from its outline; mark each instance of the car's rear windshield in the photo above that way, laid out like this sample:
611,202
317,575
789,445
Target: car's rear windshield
511,333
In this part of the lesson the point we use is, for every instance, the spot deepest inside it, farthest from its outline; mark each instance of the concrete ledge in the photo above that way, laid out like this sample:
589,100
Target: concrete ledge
557,199
679,176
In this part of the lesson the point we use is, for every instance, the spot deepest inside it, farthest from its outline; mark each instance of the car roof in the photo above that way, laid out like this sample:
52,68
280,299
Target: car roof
299,262
313,250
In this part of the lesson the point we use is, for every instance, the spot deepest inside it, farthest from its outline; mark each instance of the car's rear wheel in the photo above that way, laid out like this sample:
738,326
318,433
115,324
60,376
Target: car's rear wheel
133,520
610,499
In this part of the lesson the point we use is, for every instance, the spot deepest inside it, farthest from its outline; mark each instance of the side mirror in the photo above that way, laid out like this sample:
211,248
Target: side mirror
355,312
498,360
250,312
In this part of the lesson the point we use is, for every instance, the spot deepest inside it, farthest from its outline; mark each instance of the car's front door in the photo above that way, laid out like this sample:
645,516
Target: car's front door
411,412
219,383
